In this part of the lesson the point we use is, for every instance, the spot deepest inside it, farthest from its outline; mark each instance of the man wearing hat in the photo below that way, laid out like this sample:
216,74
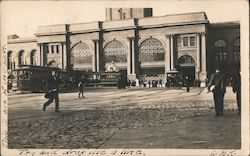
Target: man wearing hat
52,87
217,85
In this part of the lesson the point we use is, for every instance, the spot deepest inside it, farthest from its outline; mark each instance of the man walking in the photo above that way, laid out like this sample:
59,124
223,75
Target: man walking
236,84
81,87
52,87
217,85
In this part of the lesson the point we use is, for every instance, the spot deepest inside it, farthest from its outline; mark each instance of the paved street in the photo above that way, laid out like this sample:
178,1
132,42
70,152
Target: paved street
134,117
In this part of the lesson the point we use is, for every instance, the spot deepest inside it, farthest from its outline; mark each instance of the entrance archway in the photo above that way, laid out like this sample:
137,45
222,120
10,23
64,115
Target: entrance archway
186,65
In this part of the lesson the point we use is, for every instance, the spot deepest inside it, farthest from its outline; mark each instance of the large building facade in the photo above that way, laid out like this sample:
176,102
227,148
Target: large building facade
140,45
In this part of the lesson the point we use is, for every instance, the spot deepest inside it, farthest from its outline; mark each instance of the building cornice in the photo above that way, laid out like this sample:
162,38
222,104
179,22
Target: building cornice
85,31
119,29
22,40
172,24
50,34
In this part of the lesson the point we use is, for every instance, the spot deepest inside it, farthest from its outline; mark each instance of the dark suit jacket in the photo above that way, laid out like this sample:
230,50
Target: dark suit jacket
52,83
218,79
236,82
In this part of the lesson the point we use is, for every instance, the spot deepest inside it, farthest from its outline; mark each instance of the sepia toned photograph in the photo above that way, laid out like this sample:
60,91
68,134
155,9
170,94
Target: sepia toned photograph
131,76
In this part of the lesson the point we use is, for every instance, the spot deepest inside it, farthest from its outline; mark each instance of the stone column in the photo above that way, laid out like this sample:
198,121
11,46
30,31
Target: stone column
133,54
41,55
132,74
64,56
198,64
94,56
97,56
129,57
167,55
203,58
172,52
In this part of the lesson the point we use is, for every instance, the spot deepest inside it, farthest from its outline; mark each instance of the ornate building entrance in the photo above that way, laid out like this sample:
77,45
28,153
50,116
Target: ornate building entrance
187,66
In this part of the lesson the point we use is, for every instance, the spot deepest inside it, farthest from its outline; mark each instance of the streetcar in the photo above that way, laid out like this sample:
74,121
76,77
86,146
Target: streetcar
33,78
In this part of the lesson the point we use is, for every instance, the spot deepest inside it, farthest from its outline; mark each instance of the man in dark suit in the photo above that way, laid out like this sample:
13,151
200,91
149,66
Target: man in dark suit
81,88
236,84
52,87
217,85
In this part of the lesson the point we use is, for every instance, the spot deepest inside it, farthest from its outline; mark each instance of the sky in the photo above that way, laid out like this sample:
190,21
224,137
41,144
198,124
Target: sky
23,18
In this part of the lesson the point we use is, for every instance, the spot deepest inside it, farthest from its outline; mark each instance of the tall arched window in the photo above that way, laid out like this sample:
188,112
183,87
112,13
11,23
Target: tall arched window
33,57
221,51
21,58
151,50
115,51
10,62
81,54
236,51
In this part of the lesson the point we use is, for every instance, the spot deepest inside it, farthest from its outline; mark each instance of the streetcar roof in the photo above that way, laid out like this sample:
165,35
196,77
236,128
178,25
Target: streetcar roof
30,67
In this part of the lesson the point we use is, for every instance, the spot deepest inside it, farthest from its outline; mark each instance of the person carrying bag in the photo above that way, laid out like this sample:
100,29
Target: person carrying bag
52,93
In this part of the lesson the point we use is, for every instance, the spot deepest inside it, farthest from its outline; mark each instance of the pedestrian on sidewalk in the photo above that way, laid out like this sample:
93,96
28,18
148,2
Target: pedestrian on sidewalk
160,83
81,88
236,85
217,85
52,91
149,83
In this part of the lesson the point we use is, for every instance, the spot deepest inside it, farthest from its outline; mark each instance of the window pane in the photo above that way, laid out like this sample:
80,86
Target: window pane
52,49
57,48
192,41
185,41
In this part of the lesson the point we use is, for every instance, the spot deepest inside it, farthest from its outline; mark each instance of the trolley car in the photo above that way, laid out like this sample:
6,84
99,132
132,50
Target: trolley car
33,78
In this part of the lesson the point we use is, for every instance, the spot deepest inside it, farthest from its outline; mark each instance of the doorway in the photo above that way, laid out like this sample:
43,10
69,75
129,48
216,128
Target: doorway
188,71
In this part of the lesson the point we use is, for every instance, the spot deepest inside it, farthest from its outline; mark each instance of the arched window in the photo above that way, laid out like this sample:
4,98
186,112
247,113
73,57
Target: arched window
220,51
186,59
21,58
10,62
115,51
33,57
236,51
81,54
151,50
